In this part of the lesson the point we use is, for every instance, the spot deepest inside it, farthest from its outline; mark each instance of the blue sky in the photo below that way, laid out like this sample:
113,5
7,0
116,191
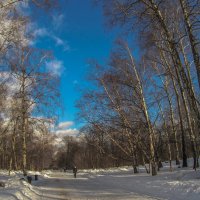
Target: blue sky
76,33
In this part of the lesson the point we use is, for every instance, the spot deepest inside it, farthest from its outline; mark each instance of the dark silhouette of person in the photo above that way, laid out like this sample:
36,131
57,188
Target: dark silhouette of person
74,171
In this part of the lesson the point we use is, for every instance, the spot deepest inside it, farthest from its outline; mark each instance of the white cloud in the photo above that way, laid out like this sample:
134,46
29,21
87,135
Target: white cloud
65,125
43,32
23,7
12,82
55,67
58,21
63,129
67,132
40,32
62,43
58,41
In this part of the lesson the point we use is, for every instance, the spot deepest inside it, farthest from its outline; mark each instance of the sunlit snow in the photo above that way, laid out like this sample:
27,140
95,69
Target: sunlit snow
115,183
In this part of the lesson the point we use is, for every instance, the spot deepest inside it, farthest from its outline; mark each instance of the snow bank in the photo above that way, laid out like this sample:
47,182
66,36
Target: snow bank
17,187
107,170
178,184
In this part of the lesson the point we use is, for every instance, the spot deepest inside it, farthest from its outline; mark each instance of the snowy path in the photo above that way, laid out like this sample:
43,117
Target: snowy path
109,184
121,185
62,186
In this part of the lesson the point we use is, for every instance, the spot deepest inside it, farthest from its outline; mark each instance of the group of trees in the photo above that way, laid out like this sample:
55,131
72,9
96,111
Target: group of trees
28,93
85,152
145,107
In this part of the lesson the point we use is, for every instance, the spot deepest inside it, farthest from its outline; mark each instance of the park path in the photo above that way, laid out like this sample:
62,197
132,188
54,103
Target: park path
62,186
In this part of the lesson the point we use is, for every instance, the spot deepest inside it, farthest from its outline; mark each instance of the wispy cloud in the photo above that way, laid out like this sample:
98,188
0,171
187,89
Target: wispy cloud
40,32
62,43
55,67
58,21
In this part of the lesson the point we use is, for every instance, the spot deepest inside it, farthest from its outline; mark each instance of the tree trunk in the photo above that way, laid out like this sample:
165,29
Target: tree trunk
184,155
146,115
23,121
168,137
173,125
192,39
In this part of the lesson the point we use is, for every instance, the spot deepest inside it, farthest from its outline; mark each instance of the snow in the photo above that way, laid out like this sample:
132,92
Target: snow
115,183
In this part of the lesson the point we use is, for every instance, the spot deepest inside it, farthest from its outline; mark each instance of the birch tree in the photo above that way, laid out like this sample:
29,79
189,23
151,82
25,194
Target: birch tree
36,91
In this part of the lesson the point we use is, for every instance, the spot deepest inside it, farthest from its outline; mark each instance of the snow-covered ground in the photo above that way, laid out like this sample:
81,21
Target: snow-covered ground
118,183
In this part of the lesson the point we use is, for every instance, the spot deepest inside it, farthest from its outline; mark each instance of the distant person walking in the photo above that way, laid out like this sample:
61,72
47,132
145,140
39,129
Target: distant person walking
74,171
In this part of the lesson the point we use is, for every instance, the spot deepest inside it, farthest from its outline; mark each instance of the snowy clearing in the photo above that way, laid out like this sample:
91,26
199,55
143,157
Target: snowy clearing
118,183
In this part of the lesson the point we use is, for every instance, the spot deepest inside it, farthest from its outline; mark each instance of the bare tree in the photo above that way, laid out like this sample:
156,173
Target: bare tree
36,91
